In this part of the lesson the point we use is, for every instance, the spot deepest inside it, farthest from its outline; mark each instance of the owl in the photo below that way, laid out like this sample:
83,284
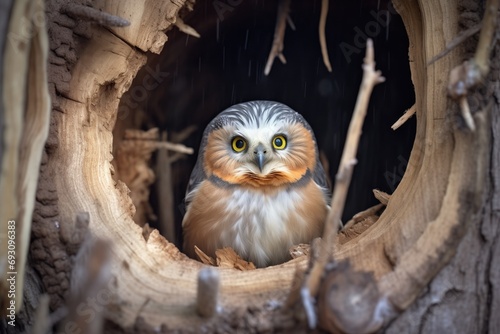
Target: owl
258,185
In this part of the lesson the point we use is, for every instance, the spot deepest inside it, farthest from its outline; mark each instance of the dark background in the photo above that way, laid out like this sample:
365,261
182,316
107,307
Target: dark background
225,66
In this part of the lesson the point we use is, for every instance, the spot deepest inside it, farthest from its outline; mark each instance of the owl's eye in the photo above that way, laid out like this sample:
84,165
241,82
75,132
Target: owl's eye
279,142
238,144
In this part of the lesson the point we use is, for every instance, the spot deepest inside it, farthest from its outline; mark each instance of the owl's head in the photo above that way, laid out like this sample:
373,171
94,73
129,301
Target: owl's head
259,143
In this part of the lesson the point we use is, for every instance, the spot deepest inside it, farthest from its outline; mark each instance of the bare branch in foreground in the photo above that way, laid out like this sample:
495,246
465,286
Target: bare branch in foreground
370,79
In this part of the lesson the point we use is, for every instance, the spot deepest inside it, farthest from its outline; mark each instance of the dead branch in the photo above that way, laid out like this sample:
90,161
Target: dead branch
342,181
152,136
322,38
93,15
180,148
470,73
406,116
279,36
344,174
459,39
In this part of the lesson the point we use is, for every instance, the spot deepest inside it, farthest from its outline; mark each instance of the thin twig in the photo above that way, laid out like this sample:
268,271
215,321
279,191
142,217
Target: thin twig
459,39
344,175
93,15
279,36
174,147
322,38
406,116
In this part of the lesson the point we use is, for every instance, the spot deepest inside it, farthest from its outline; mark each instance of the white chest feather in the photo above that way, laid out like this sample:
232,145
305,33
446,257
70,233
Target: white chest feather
261,227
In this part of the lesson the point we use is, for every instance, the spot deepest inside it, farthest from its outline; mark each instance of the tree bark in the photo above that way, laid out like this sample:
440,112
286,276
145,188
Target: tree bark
465,296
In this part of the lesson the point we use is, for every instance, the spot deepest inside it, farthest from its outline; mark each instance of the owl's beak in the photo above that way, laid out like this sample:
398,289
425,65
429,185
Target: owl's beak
260,156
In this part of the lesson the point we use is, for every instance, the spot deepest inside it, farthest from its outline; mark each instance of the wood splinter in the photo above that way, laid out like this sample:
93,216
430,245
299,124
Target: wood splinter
93,15
208,292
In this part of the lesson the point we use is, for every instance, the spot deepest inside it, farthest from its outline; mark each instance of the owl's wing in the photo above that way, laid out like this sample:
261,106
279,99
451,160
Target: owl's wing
197,176
319,176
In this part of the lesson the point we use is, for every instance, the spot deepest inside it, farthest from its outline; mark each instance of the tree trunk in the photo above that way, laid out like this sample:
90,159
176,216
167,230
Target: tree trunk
148,284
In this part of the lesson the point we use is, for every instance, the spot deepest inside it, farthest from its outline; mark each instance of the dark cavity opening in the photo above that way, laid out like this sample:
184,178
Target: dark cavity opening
198,78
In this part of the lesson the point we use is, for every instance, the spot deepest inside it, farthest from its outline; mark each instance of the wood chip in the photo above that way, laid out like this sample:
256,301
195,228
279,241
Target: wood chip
204,258
299,250
227,258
